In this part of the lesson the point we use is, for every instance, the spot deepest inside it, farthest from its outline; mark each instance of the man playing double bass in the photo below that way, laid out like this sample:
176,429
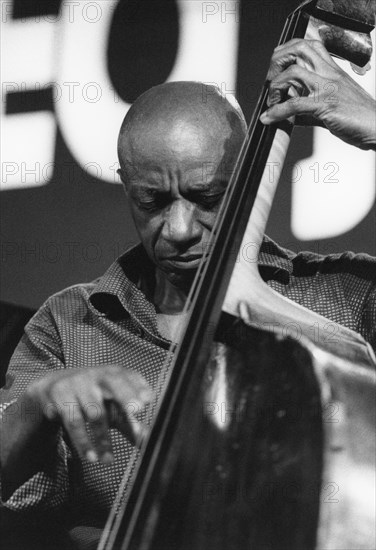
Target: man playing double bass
63,452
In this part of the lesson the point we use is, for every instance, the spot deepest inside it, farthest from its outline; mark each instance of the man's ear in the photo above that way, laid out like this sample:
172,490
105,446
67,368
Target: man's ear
120,173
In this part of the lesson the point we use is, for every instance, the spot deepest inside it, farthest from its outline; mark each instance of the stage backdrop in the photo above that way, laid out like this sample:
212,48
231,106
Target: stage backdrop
70,71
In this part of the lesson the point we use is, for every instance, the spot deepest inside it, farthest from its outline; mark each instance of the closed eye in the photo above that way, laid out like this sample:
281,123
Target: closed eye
152,201
147,206
208,201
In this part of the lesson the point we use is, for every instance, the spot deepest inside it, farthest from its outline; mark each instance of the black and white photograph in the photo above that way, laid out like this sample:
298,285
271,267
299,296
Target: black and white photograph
188,275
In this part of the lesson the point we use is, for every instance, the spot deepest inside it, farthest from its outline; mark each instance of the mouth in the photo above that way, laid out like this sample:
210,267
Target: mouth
186,261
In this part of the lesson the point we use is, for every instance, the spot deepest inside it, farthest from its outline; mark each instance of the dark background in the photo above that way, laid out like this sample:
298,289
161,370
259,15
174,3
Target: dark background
87,219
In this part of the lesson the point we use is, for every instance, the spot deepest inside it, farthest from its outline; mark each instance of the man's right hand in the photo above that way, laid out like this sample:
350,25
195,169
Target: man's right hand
99,397
87,402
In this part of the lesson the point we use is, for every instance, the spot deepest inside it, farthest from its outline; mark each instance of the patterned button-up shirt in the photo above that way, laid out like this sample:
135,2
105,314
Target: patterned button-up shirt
111,321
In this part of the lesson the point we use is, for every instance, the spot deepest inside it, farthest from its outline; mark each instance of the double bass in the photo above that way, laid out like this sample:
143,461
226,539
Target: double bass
258,440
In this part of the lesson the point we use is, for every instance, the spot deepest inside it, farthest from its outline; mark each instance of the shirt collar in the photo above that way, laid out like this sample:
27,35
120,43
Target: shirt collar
118,290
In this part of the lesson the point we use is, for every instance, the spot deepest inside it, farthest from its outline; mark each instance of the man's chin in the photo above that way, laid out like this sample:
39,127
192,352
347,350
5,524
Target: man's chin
182,279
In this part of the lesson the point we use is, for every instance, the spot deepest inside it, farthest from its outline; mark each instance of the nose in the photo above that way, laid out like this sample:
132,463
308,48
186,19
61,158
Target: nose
180,226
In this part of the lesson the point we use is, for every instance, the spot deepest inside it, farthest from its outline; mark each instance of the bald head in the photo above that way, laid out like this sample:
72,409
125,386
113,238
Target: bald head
164,114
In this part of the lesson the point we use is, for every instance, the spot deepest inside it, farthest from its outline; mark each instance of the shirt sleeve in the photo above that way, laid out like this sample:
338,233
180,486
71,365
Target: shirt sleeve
368,320
37,354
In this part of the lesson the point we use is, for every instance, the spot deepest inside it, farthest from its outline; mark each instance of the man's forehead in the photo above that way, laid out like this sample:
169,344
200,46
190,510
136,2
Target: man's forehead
195,174
181,146
181,133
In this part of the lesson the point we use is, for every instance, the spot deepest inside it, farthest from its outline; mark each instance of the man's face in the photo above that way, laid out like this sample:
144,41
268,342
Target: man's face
175,180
